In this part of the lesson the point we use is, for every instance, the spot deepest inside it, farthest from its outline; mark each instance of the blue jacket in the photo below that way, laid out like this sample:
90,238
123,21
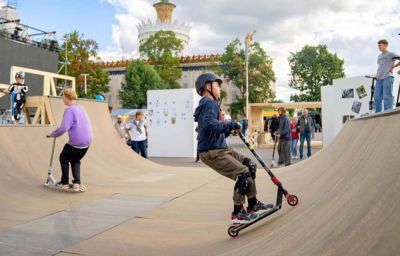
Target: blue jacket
211,130
284,128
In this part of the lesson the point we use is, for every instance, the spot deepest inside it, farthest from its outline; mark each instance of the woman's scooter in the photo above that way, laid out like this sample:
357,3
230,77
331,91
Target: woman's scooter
51,182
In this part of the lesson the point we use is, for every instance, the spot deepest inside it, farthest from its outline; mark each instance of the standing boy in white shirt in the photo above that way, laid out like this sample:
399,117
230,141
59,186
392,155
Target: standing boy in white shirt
137,130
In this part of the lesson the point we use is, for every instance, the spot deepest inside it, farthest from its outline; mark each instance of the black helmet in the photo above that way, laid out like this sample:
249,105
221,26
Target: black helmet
205,78
20,75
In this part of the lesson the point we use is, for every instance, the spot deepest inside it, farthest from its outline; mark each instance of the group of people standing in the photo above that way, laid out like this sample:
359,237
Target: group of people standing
134,132
289,132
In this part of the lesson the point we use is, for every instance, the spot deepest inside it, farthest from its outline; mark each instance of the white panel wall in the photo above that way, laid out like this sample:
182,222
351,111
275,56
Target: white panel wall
170,121
334,107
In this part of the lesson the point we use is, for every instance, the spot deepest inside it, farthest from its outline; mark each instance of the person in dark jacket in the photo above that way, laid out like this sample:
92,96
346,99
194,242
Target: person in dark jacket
305,126
215,153
274,126
283,134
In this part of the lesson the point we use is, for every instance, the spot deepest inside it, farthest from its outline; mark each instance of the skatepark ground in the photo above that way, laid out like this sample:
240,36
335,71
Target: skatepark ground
348,198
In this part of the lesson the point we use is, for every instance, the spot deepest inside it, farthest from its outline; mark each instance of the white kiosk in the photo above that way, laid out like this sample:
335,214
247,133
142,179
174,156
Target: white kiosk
170,122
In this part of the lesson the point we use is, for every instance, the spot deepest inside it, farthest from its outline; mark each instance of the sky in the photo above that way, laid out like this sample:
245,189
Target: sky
349,28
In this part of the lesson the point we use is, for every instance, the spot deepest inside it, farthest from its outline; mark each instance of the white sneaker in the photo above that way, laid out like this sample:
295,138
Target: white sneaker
63,186
296,157
76,187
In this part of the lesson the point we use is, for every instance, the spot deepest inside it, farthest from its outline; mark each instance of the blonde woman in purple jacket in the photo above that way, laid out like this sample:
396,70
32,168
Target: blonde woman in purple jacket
77,123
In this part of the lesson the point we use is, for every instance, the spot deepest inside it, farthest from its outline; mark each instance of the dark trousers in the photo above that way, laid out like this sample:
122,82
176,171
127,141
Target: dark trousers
284,152
19,102
229,163
140,147
73,156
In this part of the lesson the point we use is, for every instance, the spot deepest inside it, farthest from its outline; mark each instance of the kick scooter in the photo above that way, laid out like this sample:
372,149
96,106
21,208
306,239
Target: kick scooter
371,102
51,181
398,92
292,200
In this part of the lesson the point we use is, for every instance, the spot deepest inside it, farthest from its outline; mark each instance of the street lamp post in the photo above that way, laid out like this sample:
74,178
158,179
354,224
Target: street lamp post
249,39
85,75
66,59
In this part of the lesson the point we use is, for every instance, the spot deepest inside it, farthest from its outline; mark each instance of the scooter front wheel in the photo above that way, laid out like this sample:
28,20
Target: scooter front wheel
292,200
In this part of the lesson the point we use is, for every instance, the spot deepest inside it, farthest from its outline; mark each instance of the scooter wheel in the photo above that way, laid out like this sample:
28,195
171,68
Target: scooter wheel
292,200
82,188
46,183
232,232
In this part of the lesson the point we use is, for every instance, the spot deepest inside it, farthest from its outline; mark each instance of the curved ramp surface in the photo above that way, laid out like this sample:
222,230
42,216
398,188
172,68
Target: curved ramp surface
348,193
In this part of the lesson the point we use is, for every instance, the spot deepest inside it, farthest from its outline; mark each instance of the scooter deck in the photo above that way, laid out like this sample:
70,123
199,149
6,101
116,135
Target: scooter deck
234,229
82,188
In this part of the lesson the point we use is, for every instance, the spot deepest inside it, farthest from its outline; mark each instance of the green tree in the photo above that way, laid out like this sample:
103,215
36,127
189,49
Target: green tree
139,78
311,68
232,64
162,50
82,54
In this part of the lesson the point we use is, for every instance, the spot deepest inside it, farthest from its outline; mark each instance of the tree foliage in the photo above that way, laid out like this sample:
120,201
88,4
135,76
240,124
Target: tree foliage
232,64
139,78
311,68
162,50
81,55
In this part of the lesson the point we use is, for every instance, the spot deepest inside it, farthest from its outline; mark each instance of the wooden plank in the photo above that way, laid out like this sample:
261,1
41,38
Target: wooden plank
15,69
27,115
36,117
3,86
73,84
46,87
34,101
42,114
44,110
49,112
52,86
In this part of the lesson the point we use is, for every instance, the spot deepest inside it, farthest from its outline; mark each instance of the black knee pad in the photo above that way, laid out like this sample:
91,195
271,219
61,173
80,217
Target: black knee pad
243,183
251,166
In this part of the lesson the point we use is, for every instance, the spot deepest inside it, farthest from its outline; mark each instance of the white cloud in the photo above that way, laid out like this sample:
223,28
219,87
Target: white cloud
349,28
124,34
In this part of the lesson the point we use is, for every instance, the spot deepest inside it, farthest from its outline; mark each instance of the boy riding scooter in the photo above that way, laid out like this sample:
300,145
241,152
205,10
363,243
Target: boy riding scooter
18,91
215,153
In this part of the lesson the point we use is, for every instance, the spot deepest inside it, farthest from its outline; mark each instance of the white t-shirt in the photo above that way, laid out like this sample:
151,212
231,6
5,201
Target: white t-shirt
137,130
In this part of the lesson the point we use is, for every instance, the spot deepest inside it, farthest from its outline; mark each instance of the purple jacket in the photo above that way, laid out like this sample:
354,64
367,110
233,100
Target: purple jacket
76,122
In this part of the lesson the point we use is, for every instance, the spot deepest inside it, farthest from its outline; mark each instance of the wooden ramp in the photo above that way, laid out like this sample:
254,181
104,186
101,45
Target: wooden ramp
348,192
